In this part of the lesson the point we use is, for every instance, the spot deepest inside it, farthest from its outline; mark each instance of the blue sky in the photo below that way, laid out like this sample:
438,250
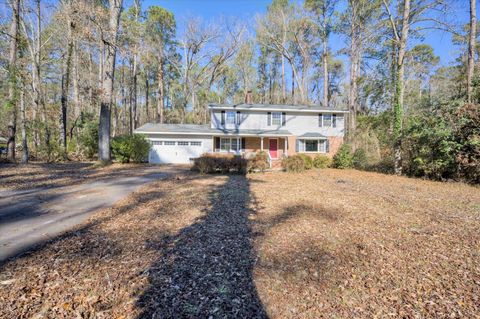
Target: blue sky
247,10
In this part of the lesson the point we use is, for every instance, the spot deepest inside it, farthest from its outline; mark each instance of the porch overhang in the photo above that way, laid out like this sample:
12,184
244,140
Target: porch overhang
312,136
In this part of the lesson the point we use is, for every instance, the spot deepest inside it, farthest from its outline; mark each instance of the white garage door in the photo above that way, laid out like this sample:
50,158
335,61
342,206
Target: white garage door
176,152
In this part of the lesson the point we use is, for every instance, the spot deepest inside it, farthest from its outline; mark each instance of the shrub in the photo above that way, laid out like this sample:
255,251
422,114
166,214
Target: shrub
140,148
307,160
213,163
360,160
321,161
344,157
126,148
88,137
467,136
293,164
259,162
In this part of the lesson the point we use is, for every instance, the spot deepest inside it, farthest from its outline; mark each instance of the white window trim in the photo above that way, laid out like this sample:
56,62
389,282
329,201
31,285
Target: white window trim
230,150
324,151
331,120
280,118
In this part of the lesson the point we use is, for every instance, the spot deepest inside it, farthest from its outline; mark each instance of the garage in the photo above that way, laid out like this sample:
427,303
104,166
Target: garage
177,150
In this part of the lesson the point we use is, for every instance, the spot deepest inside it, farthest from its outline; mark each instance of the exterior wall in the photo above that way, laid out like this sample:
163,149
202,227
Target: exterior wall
297,123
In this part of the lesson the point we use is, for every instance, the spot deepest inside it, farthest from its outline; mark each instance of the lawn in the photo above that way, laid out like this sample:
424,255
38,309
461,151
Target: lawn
325,243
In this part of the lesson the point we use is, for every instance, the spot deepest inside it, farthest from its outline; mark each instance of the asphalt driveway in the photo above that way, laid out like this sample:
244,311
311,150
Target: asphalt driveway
33,216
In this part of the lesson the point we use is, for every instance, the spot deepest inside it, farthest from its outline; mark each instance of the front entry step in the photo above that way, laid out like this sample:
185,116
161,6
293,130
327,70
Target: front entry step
276,164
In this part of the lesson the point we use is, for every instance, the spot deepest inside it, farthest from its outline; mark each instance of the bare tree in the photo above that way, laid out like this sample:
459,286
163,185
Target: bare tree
272,30
12,89
110,41
66,73
400,28
471,49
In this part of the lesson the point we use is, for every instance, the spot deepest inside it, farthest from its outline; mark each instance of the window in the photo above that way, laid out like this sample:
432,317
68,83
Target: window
229,144
169,143
230,117
195,143
156,142
234,144
276,118
312,146
327,120
182,143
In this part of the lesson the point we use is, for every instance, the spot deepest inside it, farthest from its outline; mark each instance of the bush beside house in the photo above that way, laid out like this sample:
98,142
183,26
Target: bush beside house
344,157
230,163
130,148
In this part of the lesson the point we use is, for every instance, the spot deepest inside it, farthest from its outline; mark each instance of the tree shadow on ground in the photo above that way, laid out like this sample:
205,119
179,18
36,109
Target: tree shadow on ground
206,270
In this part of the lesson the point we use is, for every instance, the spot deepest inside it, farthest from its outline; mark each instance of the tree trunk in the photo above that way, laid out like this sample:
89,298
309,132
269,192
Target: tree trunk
325,70
37,80
400,87
135,72
147,95
293,86
108,80
471,49
354,64
65,87
130,103
160,100
134,93
284,82
23,121
76,93
12,88
124,100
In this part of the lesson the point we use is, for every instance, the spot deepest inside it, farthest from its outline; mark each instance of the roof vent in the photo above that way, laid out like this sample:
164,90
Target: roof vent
248,97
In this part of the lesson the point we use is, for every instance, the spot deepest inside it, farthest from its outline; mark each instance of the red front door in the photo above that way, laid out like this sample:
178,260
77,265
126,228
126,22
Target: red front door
273,147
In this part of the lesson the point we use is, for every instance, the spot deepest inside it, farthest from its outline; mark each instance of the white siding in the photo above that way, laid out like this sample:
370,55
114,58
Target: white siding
297,123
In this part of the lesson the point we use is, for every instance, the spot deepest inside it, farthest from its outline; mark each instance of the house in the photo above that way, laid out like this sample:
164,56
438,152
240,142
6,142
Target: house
282,130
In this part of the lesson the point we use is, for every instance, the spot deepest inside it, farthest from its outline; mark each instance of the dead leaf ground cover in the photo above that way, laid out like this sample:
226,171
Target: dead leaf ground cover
325,243
48,175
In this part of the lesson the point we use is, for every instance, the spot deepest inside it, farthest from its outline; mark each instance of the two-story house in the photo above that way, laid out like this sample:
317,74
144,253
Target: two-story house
280,130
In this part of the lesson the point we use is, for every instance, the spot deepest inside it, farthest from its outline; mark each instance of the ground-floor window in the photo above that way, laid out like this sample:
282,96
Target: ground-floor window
229,144
312,146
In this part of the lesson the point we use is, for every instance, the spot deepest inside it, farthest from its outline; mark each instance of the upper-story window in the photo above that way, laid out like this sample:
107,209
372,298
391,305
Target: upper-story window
327,120
231,117
276,118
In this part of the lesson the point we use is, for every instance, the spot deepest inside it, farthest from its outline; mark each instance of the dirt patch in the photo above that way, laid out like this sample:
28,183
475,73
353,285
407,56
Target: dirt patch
325,243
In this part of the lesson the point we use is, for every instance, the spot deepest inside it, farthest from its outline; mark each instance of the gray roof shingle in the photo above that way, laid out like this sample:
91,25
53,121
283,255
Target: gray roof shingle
312,135
284,107
192,129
